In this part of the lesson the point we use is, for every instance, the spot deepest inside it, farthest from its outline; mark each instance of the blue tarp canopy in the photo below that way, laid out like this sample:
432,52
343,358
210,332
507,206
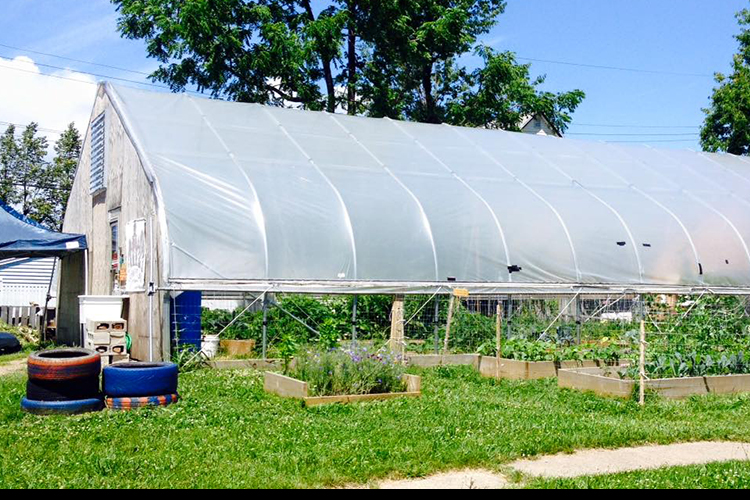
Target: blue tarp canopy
20,237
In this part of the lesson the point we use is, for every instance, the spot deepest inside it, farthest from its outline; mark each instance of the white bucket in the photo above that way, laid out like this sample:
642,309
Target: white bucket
210,346
100,307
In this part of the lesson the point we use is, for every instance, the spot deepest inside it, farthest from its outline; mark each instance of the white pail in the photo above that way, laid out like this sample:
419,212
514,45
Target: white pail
210,346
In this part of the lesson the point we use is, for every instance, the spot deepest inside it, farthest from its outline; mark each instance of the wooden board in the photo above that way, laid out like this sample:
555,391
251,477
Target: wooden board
433,360
247,364
288,387
530,370
284,386
20,316
594,380
327,400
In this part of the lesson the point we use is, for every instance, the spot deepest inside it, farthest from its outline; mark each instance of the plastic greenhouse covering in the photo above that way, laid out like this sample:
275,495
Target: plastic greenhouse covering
255,196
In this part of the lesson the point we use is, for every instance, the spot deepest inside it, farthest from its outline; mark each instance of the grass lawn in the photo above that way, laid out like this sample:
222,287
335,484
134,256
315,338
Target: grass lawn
730,475
228,433
4,360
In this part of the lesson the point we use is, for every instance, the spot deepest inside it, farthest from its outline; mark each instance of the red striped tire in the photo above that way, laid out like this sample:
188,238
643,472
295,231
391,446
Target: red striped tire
64,364
146,402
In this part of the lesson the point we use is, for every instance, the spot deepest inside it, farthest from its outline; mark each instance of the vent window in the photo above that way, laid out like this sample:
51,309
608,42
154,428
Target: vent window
98,163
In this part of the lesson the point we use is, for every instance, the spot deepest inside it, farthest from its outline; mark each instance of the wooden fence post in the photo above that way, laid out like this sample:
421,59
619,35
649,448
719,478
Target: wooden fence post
642,364
499,338
397,326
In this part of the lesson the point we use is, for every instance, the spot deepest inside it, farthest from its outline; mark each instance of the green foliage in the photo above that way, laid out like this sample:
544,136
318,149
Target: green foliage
729,475
330,316
263,441
354,371
501,93
727,124
706,336
188,359
399,59
38,188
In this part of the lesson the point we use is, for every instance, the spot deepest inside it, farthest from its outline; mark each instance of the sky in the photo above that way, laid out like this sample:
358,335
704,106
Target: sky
676,47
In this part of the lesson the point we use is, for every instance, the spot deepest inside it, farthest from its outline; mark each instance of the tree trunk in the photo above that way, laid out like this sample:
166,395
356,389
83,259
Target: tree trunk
352,53
326,60
330,87
429,99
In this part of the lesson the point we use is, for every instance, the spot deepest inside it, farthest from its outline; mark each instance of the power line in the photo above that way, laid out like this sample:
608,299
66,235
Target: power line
47,54
602,125
97,75
86,73
49,130
654,141
654,134
616,68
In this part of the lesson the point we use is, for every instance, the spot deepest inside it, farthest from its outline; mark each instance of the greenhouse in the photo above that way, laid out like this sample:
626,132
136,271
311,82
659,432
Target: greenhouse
178,193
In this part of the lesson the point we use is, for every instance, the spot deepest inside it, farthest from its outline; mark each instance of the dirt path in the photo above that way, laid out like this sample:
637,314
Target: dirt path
583,463
463,480
12,367
596,462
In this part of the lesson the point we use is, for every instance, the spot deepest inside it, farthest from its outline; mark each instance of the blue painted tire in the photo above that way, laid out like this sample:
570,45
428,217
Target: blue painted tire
135,380
145,402
61,407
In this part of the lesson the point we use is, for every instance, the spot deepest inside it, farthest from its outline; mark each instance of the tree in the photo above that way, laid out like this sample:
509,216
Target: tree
727,124
502,92
57,180
29,171
394,58
8,158
37,188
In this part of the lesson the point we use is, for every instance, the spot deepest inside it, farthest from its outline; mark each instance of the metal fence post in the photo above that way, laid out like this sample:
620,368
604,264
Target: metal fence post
354,320
436,321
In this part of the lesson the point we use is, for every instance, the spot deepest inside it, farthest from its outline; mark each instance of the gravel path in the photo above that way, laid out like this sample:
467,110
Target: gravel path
597,462
583,463
12,367
464,480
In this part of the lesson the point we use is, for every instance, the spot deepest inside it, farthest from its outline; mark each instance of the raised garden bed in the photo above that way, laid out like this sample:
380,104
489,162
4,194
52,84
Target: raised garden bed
288,387
235,348
247,364
530,370
609,382
433,360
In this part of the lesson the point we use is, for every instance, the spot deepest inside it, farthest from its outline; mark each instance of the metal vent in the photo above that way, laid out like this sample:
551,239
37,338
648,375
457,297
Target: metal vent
98,163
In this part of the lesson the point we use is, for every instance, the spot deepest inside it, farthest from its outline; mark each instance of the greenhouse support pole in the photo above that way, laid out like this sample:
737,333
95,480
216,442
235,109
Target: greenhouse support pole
499,338
436,321
451,306
508,306
642,364
354,320
265,325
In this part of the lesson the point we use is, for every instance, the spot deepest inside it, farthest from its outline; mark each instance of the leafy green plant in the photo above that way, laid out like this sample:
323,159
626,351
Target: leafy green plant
188,359
349,371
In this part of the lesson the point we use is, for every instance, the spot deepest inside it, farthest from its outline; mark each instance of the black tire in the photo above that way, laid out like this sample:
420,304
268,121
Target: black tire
64,364
66,390
61,408
134,380
9,344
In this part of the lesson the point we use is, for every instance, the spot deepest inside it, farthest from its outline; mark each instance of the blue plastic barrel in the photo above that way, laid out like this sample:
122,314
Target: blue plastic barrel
185,319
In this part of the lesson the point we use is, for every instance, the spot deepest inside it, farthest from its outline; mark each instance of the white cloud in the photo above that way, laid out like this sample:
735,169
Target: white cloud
53,100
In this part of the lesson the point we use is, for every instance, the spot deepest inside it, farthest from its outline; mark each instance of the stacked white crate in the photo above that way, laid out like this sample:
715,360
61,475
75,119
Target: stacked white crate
108,338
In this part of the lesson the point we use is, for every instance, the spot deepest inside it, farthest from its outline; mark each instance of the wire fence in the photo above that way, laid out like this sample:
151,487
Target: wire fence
281,322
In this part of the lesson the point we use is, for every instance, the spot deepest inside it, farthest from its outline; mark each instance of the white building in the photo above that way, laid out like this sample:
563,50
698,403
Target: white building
25,281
